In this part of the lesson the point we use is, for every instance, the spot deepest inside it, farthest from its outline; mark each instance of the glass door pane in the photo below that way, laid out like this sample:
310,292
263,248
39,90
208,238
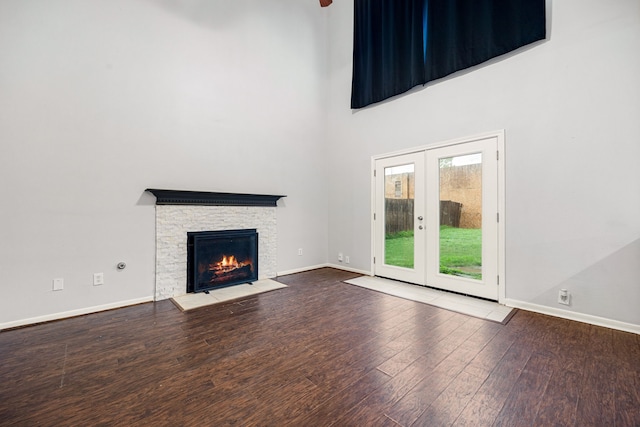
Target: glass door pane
399,218
461,222
399,197
460,233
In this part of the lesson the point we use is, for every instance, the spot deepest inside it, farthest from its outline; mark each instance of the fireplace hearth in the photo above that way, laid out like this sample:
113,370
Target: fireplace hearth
218,259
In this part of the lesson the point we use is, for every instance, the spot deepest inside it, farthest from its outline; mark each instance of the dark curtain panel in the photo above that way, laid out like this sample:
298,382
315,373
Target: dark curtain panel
464,33
388,49
399,44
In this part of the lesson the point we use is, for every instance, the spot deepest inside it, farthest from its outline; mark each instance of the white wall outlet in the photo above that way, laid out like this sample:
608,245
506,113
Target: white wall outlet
58,284
340,257
299,251
98,279
346,259
564,297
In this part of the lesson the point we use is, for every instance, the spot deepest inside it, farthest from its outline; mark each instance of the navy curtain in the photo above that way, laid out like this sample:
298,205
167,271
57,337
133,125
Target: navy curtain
387,55
399,44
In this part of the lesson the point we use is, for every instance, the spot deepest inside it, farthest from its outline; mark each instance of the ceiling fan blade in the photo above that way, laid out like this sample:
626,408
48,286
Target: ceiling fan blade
325,3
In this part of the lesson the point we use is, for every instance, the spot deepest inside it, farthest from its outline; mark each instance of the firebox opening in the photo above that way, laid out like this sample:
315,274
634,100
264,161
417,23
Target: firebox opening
217,259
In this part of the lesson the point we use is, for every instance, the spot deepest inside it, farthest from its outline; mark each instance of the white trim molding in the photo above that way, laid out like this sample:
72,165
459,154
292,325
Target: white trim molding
315,267
572,315
352,270
301,269
74,313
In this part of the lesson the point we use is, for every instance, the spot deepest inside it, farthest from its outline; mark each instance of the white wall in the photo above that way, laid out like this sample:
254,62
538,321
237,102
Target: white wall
570,107
101,99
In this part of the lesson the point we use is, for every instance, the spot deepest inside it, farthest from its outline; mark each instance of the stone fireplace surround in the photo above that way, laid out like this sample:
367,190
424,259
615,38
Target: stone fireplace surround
178,212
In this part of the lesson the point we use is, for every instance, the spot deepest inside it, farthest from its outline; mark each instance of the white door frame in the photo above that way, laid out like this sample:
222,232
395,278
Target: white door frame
417,274
500,136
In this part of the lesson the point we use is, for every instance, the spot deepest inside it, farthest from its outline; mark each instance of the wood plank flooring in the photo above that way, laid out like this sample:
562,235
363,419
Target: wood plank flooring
317,353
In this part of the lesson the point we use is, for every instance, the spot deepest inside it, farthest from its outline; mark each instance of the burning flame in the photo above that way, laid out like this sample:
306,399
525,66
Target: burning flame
227,264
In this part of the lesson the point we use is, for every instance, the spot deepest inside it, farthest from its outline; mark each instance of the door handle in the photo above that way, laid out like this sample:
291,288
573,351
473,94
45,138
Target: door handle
420,227
420,218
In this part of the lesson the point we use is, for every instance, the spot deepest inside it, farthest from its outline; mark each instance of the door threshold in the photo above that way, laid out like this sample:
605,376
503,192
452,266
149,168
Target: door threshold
471,306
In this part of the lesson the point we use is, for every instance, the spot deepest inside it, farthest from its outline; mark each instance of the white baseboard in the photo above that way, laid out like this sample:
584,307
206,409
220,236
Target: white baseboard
73,313
572,315
301,269
352,270
314,267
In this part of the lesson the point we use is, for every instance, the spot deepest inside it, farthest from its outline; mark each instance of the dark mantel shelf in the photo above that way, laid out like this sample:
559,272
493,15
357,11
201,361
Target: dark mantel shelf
206,198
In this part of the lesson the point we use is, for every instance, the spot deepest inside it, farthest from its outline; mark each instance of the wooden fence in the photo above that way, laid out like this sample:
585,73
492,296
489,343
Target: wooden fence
450,213
399,214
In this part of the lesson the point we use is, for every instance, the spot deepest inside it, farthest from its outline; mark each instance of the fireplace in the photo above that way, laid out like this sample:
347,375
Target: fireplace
179,212
217,259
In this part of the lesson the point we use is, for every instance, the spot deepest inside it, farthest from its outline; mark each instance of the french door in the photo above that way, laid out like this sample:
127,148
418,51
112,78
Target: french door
436,217
399,223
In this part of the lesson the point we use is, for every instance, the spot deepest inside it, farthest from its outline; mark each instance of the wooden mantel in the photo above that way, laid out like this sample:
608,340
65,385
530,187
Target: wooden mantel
207,198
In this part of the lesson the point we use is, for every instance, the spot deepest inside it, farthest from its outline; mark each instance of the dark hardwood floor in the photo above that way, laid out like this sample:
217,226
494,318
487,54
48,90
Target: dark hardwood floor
318,353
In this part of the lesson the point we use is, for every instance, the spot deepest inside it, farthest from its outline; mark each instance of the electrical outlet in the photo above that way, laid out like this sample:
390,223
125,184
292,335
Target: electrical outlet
299,251
564,297
340,257
58,284
98,279
346,259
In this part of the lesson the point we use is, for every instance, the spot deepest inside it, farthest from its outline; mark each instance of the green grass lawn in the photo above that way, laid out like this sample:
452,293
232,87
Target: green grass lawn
398,249
460,251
